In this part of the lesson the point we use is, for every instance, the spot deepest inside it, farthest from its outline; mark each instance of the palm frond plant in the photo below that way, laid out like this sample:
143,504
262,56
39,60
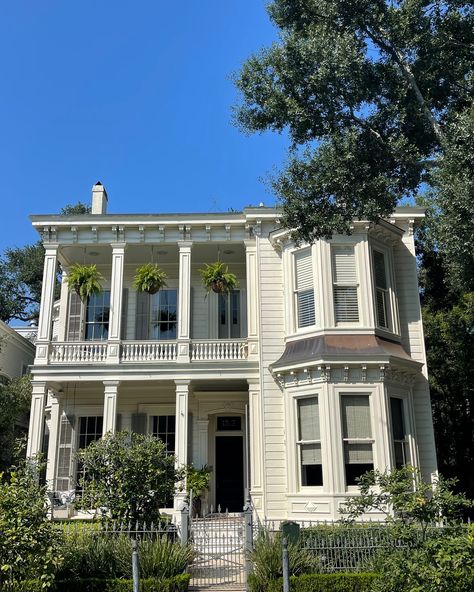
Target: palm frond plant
149,278
217,277
85,280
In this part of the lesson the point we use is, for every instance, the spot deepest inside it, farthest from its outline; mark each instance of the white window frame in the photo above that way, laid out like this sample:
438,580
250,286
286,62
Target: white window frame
406,441
389,293
336,285
300,443
296,327
342,392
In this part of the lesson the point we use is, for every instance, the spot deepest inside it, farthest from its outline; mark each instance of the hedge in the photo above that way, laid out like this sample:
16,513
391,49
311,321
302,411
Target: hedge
177,583
331,582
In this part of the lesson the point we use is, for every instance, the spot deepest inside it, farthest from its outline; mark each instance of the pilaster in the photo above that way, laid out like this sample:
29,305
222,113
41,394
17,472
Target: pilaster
110,406
54,403
47,301
251,259
256,444
181,447
36,428
116,297
184,301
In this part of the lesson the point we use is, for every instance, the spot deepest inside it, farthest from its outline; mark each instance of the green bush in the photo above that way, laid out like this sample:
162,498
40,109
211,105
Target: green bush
177,583
162,558
266,558
335,582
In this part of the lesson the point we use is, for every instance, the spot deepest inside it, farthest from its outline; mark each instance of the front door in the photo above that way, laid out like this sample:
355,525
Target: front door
230,473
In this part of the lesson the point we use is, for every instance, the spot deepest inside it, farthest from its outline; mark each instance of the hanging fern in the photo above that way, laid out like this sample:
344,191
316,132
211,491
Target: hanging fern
85,280
217,277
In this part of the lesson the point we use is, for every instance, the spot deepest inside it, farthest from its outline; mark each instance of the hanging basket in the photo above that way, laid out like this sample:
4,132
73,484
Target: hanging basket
149,278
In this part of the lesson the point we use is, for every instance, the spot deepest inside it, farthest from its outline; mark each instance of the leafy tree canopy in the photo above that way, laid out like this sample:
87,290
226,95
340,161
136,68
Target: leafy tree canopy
15,402
373,95
128,476
21,276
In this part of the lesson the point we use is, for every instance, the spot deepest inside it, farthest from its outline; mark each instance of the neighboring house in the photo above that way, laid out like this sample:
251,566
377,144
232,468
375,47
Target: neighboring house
310,373
17,351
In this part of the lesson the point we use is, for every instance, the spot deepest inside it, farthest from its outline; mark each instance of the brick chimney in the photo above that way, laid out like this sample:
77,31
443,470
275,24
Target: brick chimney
99,199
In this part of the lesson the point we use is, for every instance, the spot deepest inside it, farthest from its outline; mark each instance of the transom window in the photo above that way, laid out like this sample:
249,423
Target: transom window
357,436
399,435
304,289
309,441
345,284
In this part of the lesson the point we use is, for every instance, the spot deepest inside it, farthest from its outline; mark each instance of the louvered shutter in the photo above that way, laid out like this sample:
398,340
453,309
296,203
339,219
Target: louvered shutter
346,304
381,286
305,288
65,454
142,317
74,318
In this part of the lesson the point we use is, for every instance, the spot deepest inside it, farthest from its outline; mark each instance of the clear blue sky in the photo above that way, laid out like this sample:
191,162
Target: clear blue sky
135,94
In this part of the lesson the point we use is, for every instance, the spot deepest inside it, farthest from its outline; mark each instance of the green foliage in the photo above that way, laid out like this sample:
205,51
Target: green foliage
85,280
217,277
443,564
29,544
177,583
78,208
128,476
149,278
266,558
163,558
371,94
198,480
21,277
336,582
405,499
15,402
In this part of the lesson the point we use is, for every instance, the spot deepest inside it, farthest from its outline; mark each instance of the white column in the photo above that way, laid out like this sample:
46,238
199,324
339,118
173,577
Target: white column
184,301
47,301
256,443
53,440
36,429
181,446
201,457
63,307
251,260
116,297
110,406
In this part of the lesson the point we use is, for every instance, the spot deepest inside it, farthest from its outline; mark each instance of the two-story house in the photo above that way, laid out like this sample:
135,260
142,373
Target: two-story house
308,374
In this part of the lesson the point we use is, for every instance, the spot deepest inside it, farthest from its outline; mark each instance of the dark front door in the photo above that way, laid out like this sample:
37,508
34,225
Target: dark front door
230,473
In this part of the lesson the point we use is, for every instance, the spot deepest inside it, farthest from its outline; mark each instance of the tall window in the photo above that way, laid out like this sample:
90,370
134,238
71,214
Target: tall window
309,441
357,436
65,454
381,289
97,316
304,289
399,435
229,315
164,305
344,274
90,429
164,428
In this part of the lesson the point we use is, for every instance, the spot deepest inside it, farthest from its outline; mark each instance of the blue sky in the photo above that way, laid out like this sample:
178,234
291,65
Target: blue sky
136,95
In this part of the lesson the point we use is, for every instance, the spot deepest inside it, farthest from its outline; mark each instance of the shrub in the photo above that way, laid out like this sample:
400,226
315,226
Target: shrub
178,583
162,558
335,582
267,561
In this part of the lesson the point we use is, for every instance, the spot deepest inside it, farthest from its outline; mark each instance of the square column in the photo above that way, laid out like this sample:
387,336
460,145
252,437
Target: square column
47,301
116,297
181,446
257,469
53,402
36,429
251,260
110,406
184,301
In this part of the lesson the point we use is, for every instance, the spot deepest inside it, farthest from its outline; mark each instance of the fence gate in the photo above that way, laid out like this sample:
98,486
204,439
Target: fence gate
219,543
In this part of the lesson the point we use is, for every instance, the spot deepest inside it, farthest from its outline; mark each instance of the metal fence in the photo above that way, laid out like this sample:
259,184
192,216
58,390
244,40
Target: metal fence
135,530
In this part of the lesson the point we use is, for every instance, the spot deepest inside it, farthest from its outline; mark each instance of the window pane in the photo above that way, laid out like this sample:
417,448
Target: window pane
344,266
311,454
356,416
163,315
306,310
381,304
379,270
358,453
398,425
354,471
97,316
312,475
308,414
304,270
346,306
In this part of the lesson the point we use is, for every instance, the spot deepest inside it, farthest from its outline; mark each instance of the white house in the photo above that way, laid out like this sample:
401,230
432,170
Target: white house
17,351
308,374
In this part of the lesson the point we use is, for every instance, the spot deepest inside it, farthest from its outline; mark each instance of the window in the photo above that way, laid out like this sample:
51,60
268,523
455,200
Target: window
97,316
357,436
65,457
399,436
309,441
164,428
229,315
344,274
157,315
381,289
90,429
304,289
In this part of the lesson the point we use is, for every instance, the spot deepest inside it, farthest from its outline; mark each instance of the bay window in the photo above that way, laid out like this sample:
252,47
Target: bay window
357,436
309,441
345,284
304,289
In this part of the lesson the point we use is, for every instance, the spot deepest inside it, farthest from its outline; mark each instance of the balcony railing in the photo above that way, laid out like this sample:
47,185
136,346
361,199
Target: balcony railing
79,352
218,349
153,351
95,352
